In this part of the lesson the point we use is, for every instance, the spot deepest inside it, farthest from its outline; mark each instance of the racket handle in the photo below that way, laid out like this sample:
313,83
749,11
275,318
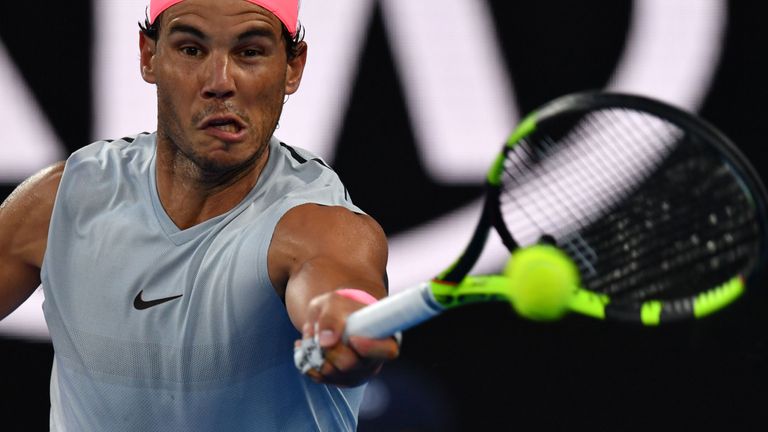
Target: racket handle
382,319
394,313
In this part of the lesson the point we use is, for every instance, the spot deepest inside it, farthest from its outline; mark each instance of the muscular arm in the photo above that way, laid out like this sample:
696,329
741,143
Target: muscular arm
24,220
316,250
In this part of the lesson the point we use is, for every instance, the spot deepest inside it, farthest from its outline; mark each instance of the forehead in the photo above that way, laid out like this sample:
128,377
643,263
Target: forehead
221,14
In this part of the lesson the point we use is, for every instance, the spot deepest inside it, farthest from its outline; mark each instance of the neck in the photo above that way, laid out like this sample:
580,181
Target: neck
191,195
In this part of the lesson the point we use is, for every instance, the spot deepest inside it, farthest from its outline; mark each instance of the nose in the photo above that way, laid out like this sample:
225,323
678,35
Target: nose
218,80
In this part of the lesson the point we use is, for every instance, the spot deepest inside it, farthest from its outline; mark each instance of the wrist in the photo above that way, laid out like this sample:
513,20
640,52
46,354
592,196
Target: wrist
357,295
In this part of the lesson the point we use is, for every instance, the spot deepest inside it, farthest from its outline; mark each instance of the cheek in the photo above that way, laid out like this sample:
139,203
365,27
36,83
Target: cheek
168,113
175,91
177,81
271,105
261,93
256,89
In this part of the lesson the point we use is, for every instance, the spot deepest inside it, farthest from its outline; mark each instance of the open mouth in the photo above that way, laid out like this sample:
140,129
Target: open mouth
225,125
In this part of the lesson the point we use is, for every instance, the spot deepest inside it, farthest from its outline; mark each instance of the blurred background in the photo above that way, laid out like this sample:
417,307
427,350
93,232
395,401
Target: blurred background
408,101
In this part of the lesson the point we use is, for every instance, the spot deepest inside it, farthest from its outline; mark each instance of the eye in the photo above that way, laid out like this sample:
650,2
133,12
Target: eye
190,51
251,52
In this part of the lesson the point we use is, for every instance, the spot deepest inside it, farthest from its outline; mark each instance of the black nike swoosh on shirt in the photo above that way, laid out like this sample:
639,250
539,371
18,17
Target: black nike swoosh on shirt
140,304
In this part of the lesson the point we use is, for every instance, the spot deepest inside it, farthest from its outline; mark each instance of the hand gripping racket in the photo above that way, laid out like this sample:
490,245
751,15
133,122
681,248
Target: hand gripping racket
661,214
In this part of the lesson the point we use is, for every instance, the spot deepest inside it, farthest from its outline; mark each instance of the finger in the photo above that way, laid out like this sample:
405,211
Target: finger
307,331
315,375
329,326
343,359
326,337
376,349
358,372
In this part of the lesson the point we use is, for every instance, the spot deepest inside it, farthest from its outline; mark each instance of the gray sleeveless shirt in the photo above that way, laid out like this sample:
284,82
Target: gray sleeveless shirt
160,329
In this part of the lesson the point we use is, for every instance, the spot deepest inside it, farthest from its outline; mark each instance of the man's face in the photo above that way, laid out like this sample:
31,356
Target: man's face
222,73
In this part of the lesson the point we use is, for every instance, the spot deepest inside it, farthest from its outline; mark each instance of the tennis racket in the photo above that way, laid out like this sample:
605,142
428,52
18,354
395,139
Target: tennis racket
662,215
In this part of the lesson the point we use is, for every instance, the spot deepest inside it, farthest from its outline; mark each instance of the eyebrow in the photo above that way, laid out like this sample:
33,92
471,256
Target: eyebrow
184,28
194,31
260,32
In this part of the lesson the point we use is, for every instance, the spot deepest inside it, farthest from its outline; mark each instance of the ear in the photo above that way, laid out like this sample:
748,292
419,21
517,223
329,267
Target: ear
295,69
147,49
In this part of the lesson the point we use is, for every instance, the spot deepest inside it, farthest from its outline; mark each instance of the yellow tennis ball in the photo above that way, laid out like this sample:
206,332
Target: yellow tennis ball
542,281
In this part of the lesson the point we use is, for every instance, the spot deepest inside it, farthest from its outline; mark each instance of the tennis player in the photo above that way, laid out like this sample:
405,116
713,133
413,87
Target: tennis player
180,267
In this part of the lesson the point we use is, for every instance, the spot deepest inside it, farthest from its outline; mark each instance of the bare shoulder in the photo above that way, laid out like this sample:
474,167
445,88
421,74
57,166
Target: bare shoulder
41,186
318,222
310,231
26,214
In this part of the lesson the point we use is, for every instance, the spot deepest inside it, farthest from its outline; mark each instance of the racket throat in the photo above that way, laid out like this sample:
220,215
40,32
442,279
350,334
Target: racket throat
456,273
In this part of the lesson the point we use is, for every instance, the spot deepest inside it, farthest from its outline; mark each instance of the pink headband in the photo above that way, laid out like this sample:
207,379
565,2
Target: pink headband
286,11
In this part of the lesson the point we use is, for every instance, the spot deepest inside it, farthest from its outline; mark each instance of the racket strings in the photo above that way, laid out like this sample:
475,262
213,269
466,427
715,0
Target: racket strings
662,278
650,271
643,209
532,205
545,188
694,217
648,213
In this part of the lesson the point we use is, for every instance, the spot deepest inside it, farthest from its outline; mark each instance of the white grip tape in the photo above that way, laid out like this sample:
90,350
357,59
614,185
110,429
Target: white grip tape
393,314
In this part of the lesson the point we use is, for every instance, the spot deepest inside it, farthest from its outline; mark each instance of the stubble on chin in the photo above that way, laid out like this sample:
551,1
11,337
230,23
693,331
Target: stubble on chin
187,161
178,137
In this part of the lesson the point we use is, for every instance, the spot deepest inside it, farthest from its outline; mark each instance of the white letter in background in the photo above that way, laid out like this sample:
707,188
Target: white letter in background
458,91
123,103
29,143
673,50
336,31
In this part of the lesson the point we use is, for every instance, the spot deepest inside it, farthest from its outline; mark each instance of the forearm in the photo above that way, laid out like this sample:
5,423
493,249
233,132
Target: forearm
321,275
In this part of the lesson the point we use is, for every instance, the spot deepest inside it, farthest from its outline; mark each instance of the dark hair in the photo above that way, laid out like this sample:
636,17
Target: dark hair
152,31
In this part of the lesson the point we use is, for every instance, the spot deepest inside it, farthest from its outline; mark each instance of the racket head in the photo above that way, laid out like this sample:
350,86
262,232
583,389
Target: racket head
659,210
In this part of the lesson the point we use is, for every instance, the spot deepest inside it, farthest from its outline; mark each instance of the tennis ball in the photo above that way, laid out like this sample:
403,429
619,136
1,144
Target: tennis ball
542,282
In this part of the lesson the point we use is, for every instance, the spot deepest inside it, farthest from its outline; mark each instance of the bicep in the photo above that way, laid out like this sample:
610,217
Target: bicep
24,219
320,249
